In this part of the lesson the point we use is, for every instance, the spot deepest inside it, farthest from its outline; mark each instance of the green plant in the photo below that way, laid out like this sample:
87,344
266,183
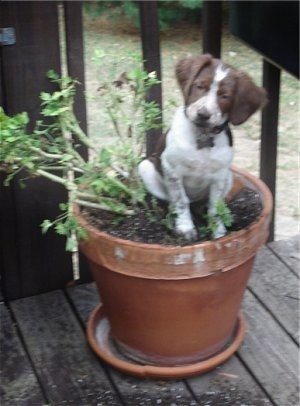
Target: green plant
107,180
169,219
222,214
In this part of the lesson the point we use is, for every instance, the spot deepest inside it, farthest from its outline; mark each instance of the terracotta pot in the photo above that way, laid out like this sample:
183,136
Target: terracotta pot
173,310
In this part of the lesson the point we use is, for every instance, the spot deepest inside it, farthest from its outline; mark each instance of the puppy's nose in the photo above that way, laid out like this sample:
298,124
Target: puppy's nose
203,115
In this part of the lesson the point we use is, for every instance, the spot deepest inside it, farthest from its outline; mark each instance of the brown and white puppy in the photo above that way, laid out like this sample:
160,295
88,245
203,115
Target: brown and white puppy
195,157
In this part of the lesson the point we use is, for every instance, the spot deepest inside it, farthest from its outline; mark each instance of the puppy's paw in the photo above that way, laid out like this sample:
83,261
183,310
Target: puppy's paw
220,231
187,231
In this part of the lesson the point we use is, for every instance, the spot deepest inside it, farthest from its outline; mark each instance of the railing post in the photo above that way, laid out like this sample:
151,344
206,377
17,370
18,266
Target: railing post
151,54
269,131
75,57
212,27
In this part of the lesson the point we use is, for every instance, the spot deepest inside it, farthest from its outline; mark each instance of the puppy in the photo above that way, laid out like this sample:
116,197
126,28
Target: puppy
193,159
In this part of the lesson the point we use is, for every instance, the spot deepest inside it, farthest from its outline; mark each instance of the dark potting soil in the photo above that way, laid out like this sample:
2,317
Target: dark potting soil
154,225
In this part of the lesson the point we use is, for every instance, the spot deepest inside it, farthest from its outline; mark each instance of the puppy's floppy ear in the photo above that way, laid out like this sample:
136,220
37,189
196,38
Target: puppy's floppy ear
188,68
248,99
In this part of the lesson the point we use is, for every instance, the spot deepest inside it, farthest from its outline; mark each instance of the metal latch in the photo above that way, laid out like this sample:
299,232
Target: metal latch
7,36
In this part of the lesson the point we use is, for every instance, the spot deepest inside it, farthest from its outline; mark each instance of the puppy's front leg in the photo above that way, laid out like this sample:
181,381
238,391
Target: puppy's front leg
178,199
218,190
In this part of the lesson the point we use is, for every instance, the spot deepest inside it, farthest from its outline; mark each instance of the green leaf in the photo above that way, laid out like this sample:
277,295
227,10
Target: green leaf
81,233
12,138
61,229
224,213
71,244
45,96
51,74
63,206
67,157
105,157
46,224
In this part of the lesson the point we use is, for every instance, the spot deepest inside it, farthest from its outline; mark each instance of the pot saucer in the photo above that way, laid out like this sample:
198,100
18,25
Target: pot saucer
99,338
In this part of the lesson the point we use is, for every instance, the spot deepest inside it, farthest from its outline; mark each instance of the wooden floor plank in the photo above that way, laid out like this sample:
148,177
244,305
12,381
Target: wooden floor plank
148,392
18,382
85,298
270,354
277,287
66,367
134,391
229,384
289,252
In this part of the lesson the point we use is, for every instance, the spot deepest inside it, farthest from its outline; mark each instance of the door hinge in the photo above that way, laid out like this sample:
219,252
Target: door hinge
7,36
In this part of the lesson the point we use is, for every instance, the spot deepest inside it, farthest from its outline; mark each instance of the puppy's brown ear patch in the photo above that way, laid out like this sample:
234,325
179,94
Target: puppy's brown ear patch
248,99
187,70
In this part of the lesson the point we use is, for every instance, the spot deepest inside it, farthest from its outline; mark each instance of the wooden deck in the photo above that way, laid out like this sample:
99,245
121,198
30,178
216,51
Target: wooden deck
45,359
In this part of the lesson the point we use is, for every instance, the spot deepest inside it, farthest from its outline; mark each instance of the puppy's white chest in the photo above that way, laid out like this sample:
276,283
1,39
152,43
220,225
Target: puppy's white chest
198,171
204,160
197,168
194,162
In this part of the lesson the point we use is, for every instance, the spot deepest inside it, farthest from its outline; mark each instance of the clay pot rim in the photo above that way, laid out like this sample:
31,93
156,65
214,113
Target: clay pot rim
266,198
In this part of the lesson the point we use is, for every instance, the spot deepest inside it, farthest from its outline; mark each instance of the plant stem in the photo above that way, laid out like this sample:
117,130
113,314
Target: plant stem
52,177
72,189
60,168
75,129
46,154
100,206
115,123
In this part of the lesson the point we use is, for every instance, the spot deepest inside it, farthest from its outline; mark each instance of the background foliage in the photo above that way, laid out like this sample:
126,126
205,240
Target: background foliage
169,11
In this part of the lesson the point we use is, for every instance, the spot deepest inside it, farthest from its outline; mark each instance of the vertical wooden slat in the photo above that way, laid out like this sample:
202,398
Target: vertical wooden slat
8,250
151,55
9,254
212,27
75,56
269,131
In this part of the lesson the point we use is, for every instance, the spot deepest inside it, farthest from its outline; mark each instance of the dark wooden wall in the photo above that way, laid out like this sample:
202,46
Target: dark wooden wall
32,262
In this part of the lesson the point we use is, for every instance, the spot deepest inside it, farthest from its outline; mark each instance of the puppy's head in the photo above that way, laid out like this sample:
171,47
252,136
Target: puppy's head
215,92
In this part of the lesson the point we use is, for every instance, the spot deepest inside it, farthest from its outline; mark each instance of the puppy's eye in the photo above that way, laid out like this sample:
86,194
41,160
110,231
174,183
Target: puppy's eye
224,96
199,87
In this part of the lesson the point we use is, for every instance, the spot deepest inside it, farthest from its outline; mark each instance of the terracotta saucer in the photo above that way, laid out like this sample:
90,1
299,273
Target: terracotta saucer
99,338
